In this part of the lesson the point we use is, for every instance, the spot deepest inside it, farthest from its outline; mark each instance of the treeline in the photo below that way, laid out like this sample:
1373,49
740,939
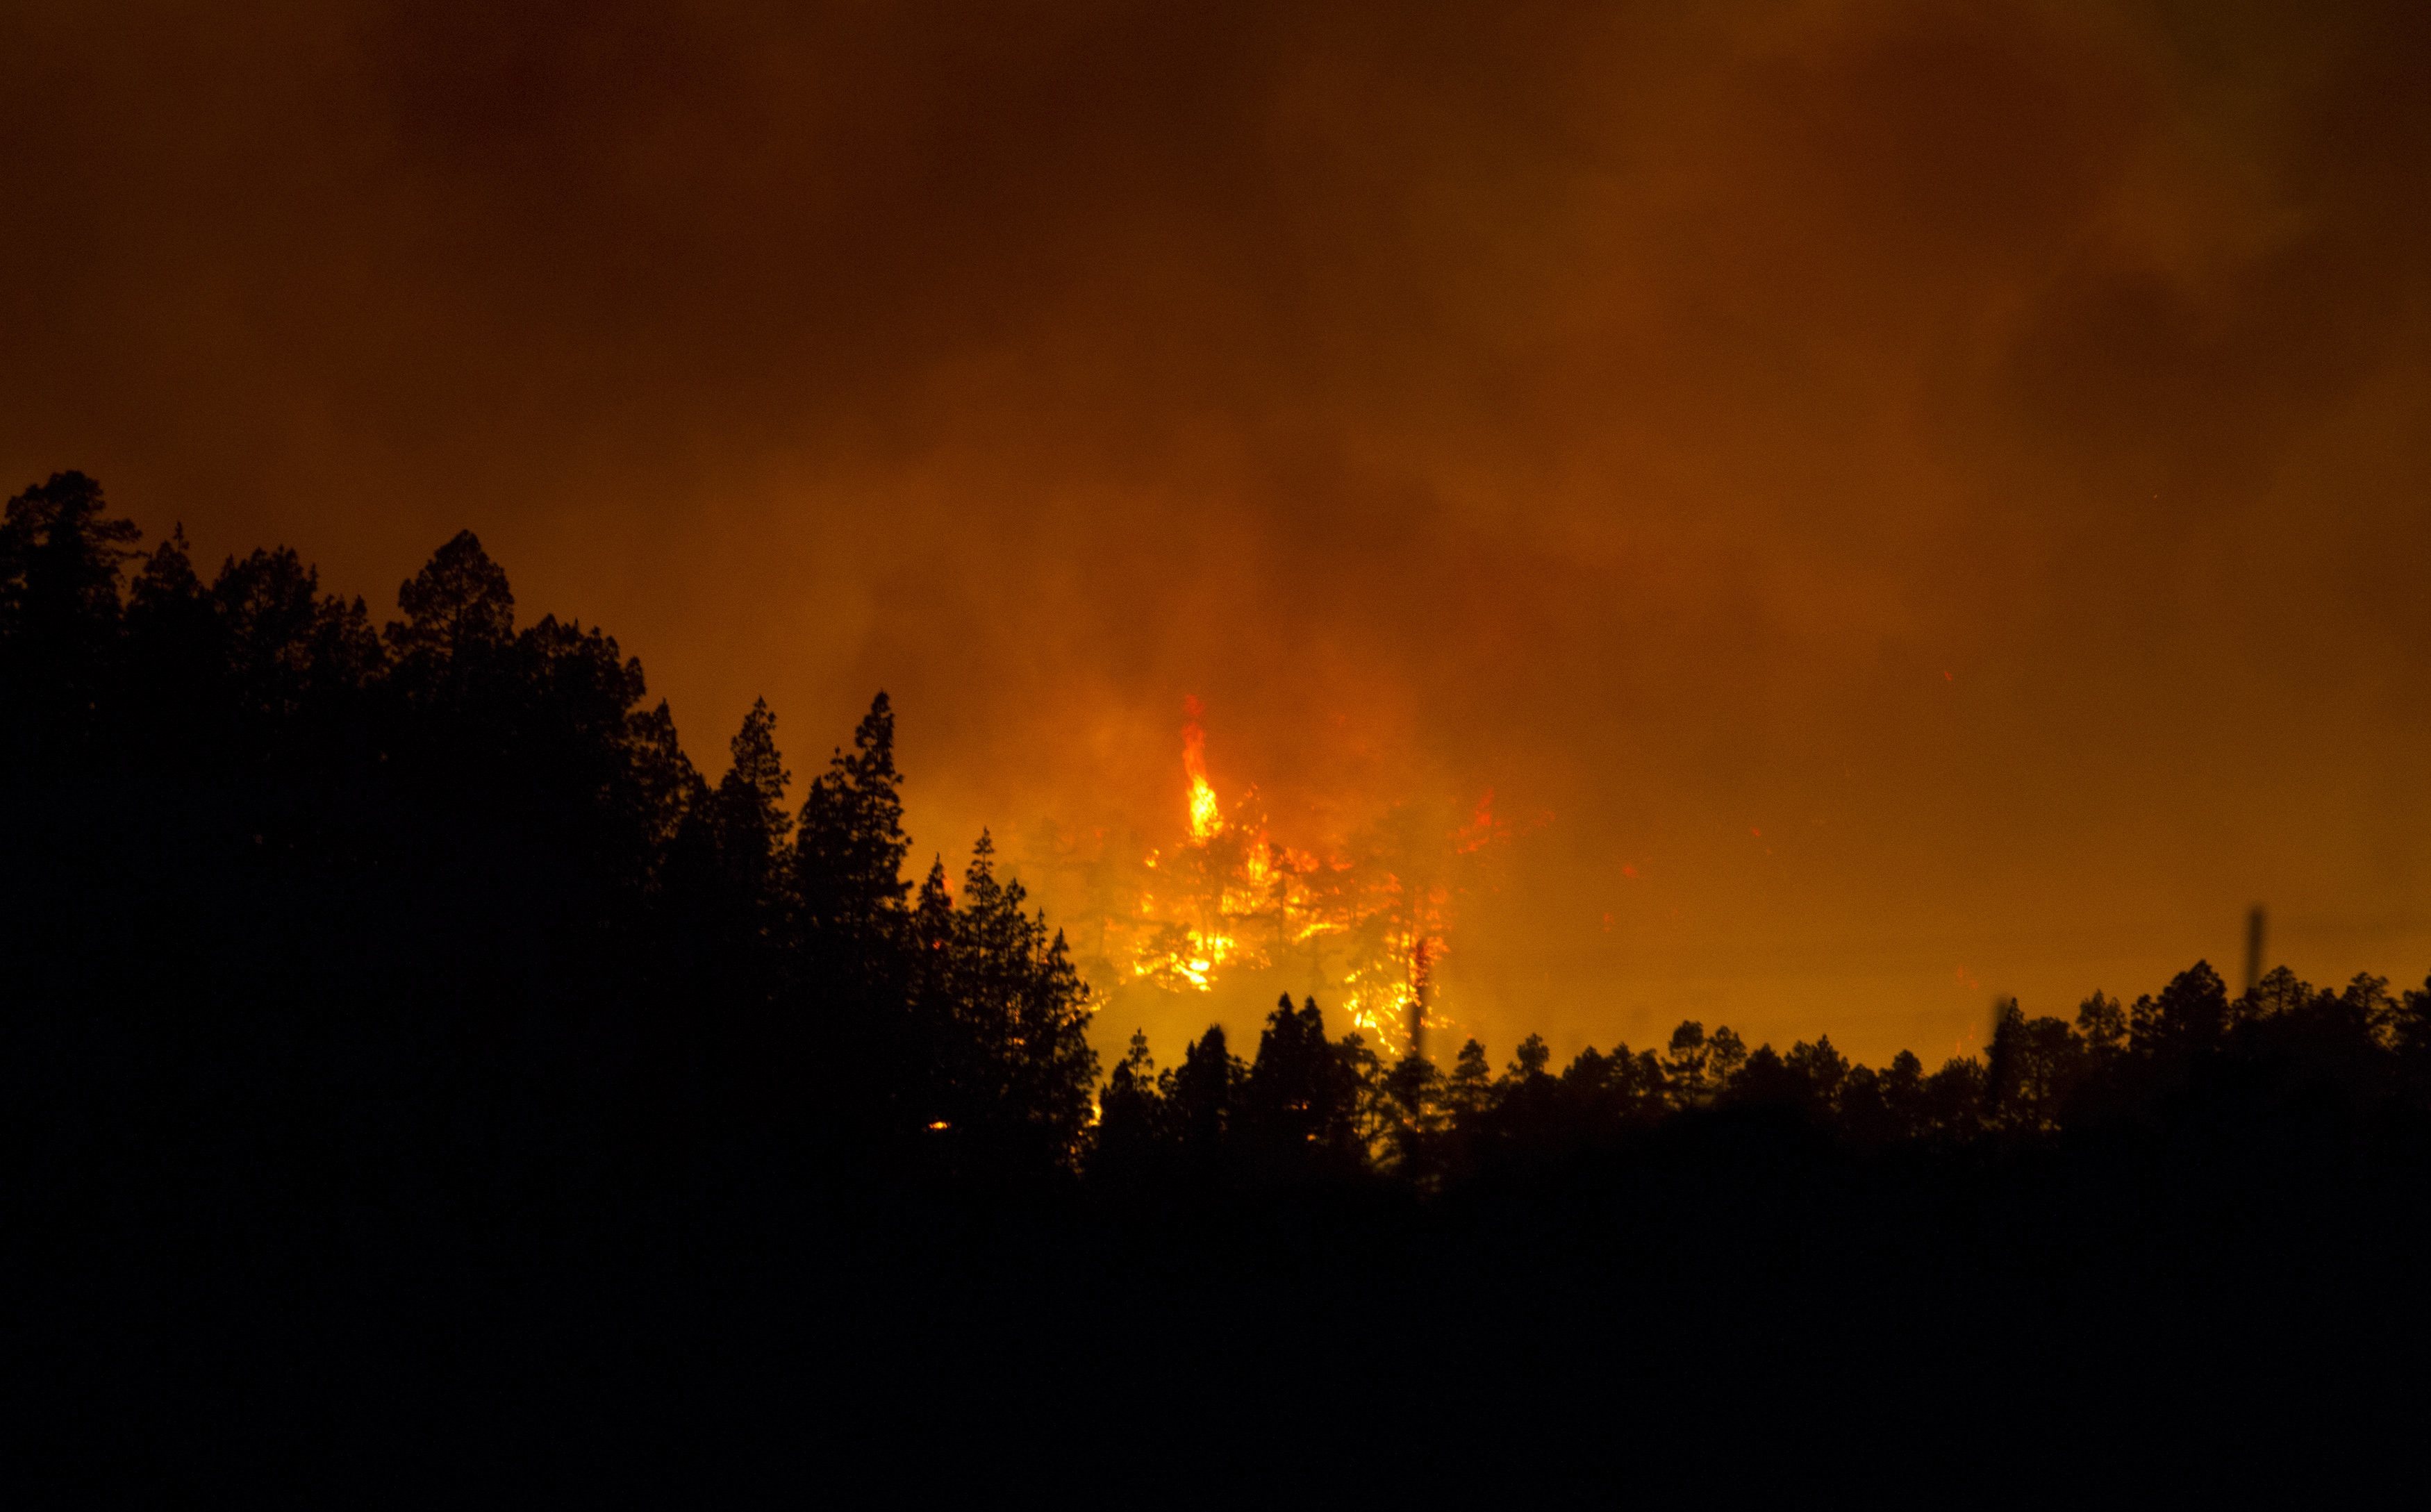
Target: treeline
409,1061
442,903
1306,1108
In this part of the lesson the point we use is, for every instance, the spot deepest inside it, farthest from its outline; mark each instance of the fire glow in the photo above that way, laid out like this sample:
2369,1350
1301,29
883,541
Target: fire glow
1362,925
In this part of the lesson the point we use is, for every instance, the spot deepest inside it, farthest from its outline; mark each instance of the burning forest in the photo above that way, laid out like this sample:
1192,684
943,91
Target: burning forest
1223,912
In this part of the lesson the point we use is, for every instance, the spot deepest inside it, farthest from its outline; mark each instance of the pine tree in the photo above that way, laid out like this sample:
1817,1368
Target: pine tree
457,608
1686,1067
1131,1120
1301,1099
1006,1015
287,645
666,787
1202,1093
1819,1070
175,661
848,883
2189,1018
1725,1053
749,815
1415,1118
1470,1090
61,556
1529,1061
166,588
61,559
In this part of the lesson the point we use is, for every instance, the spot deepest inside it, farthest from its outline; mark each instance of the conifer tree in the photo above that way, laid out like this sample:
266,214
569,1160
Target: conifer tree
1725,1053
1131,1121
1007,1013
1529,1061
1301,1099
175,661
1415,1118
1202,1093
62,557
1685,1067
1470,1090
458,606
166,586
849,857
1817,1071
2188,1017
749,809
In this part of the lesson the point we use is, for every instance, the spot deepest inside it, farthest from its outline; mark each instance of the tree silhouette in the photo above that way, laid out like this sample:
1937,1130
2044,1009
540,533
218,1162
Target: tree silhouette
752,822
1414,1120
1300,1104
60,560
849,863
1470,1090
1004,1013
1133,1125
427,952
2190,1016
458,610
1202,1093
2032,1070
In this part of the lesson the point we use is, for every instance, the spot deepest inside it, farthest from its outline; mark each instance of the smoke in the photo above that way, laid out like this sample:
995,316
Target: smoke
1933,491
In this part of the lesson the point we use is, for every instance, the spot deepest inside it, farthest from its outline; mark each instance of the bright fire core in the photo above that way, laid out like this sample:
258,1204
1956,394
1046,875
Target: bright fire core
1361,925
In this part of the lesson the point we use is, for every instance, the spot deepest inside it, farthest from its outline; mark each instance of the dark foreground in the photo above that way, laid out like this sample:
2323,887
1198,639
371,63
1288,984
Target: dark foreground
1741,1292
417,1081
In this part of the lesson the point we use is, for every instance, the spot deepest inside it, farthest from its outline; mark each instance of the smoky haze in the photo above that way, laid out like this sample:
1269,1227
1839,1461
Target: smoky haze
1898,502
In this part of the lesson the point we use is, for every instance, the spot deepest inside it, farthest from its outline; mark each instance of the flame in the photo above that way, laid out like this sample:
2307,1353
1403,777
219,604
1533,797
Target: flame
1228,900
1206,818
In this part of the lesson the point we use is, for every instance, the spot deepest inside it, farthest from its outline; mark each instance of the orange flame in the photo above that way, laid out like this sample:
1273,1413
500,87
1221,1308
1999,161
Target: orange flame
1206,820
1229,900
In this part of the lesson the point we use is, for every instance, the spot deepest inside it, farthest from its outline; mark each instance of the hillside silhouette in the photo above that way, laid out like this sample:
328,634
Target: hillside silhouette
408,1055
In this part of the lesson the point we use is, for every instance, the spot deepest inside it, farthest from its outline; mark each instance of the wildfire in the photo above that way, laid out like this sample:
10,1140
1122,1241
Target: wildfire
1206,818
1363,928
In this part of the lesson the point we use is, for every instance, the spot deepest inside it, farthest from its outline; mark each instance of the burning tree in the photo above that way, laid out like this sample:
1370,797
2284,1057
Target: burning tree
1363,922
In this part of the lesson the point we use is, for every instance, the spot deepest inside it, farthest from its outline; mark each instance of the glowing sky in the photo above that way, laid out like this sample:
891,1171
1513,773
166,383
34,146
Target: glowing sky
1900,502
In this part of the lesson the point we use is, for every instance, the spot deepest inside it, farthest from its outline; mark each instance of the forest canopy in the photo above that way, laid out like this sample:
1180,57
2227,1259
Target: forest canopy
450,867
393,1011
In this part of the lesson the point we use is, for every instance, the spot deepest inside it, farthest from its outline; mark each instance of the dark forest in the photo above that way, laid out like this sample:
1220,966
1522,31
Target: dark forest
412,1064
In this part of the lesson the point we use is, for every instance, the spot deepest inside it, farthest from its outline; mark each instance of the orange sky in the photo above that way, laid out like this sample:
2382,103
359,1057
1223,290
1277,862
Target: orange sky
1942,492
